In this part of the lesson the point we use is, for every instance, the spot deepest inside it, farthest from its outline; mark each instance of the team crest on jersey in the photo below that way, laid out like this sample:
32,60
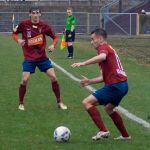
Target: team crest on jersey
40,30
29,33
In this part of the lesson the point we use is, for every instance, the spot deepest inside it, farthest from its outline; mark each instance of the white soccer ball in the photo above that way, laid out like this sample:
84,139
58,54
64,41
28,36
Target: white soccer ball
62,134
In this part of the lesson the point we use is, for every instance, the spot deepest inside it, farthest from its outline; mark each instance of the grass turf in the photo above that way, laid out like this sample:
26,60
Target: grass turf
33,128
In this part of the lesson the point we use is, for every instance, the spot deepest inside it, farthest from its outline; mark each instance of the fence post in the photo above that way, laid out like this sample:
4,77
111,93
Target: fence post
138,24
88,23
69,2
120,6
130,25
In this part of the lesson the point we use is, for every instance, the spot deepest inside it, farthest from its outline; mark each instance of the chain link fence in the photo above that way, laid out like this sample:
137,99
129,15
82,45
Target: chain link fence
114,23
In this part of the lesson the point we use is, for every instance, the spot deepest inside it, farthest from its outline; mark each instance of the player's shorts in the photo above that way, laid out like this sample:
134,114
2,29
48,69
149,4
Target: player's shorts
111,93
72,38
30,65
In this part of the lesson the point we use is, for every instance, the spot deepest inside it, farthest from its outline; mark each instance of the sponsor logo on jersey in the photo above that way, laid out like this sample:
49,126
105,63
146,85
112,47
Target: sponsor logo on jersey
37,40
40,30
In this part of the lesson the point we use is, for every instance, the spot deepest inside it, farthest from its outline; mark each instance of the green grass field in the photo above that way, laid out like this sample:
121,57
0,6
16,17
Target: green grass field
33,129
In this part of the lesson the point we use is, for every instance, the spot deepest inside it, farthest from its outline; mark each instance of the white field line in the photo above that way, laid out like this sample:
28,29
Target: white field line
119,108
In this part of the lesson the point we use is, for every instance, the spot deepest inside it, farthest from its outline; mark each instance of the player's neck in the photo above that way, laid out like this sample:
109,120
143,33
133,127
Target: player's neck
35,22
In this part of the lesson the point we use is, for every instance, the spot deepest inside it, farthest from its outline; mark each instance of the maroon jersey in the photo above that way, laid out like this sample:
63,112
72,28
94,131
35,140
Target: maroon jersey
112,69
35,39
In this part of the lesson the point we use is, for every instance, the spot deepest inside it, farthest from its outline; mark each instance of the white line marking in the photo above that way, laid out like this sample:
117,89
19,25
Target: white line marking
121,109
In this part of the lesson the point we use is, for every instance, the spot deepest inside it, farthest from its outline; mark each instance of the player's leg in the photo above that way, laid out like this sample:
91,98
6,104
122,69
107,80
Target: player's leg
28,68
70,49
70,44
117,119
70,37
22,89
116,93
55,86
46,66
90,104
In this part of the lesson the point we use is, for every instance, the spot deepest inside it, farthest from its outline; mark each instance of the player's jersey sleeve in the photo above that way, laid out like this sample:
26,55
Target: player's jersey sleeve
73,21
103,49
18,29
50,32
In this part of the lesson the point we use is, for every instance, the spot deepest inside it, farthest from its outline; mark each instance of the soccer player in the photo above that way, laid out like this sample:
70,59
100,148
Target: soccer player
70,32
33,43
115,88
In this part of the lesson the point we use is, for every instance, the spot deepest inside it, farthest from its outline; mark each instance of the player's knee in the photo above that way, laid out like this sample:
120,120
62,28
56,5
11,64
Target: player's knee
24,81
53,79
86,104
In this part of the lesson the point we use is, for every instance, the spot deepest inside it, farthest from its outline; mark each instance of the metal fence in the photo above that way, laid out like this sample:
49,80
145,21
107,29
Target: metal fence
56,2
68,2
114,23
118,6
120,23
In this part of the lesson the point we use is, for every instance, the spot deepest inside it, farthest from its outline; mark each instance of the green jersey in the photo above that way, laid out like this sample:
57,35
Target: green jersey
71,20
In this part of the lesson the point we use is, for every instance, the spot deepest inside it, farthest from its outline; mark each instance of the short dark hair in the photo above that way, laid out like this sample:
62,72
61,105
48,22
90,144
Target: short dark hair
70,8
33,8
100,32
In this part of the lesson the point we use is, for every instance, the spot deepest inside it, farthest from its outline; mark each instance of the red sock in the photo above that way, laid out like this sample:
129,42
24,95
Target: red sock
96,117
22,91
119,123
56,90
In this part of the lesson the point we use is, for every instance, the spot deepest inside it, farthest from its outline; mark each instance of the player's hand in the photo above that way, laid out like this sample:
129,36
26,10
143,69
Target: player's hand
21,42
51,48
80,64
85,81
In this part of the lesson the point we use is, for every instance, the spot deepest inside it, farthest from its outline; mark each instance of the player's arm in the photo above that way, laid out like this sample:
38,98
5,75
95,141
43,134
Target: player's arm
16,31
55,41
85,81
52,46
50,32
72,28
17,39
97,59
73,24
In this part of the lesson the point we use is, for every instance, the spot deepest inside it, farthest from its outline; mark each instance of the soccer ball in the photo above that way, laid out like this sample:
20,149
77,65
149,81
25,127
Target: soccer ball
62,134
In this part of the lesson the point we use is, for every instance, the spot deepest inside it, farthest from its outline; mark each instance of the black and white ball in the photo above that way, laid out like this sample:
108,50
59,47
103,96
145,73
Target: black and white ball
62,134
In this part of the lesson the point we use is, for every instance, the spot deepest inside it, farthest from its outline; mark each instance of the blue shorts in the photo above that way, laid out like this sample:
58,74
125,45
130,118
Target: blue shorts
30,65
111,93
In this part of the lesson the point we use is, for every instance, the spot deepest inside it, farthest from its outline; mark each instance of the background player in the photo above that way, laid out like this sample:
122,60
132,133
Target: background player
116,86
33,43
70,32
